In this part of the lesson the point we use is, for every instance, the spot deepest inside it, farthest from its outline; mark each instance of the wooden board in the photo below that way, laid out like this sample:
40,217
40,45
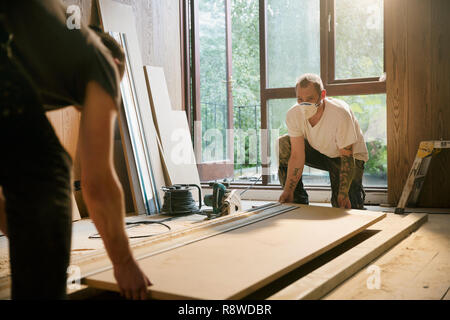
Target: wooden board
234,264
91,257
118,17
173,131
184,230
318,283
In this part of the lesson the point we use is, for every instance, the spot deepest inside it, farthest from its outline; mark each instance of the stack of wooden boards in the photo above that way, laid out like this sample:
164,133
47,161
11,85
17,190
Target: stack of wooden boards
164,132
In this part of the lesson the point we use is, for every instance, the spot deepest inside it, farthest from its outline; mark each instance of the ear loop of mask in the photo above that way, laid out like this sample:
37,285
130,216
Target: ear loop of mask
320,101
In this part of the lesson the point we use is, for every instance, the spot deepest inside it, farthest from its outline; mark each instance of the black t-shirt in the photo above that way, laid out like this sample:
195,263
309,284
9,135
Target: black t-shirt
60,61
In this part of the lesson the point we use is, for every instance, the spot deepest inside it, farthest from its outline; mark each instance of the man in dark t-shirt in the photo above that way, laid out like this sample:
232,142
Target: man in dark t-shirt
44,65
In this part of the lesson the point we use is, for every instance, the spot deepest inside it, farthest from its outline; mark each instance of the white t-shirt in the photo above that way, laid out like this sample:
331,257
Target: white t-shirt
336,129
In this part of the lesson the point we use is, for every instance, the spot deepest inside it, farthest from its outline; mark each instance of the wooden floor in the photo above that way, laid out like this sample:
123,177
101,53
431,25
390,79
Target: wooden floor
416,268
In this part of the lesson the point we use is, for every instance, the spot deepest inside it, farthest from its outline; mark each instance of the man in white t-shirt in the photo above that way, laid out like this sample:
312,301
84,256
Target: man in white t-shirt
323,133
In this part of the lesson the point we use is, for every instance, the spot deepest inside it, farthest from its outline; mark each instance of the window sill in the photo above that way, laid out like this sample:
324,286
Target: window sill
277,187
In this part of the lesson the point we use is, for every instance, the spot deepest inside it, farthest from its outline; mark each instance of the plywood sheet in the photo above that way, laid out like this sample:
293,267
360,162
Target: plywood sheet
173,131
233,264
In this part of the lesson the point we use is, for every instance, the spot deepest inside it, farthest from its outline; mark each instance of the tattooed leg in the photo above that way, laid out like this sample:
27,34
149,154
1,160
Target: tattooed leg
346,175
356,192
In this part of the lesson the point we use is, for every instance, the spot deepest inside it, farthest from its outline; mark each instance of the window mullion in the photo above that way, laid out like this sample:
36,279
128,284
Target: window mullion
263,87
230,148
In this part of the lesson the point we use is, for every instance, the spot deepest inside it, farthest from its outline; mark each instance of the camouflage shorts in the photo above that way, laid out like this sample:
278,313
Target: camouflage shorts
315,159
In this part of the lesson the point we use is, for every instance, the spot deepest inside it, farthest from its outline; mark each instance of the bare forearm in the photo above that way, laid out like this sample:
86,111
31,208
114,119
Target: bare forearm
106,208
294,173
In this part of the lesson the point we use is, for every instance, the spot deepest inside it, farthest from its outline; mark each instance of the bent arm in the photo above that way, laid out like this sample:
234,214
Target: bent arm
295,164
101,188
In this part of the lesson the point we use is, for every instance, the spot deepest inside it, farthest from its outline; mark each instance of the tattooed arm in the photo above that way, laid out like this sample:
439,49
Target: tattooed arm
345,176
295,168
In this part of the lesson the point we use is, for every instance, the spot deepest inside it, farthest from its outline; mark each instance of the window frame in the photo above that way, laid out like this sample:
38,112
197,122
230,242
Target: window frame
190,65
340,87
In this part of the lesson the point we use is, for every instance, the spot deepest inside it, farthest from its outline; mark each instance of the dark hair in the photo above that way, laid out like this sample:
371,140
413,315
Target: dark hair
304,81
110,43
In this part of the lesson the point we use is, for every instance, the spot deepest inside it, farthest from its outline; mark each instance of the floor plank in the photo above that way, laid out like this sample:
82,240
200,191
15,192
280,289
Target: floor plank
327,276
417,268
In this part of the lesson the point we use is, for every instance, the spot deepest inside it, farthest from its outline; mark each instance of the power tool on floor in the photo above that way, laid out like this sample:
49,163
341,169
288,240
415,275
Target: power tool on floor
223,200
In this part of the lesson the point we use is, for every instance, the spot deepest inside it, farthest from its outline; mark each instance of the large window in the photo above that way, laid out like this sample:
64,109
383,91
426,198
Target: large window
369,110
246,89
358,39
245,56
293,40
226,88
213,79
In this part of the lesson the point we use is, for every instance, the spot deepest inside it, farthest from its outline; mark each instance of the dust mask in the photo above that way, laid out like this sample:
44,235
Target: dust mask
309,109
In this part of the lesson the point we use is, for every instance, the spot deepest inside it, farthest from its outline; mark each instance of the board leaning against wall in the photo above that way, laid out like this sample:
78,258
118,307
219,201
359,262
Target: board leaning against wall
141,146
